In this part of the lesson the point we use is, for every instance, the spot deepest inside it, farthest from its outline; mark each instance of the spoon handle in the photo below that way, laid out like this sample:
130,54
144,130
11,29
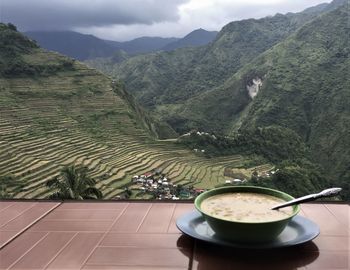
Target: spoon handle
325,193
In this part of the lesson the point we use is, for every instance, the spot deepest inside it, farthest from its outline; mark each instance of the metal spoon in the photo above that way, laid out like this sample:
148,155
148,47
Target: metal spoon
325,193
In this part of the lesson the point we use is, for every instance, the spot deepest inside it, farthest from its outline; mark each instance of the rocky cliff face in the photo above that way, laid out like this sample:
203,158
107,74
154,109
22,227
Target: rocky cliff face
254,86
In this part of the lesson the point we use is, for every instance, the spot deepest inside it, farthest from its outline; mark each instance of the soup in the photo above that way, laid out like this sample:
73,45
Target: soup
245,207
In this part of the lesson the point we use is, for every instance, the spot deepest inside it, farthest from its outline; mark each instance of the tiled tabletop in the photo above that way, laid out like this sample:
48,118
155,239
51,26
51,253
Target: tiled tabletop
143,235
16,217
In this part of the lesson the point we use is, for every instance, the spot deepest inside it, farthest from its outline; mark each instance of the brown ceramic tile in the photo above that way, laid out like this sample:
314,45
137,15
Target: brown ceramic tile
158,218
29,217
14,211
180,209
146,240
93,205
71,225
328,224
41,254
4,205
68,214
132,217
332,243
302,213
18,247
76,252
157,244
157,257
6,236
341,213
330,261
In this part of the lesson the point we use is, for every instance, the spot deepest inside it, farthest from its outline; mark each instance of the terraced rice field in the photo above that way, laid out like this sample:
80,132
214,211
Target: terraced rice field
35,159
75,117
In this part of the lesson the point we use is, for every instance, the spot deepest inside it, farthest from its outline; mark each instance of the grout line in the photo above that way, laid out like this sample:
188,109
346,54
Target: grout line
28,226
171,219
144,217
335,216
79,219
112,232
67,231
144,247
104,235
6,207
59,252
20,214
41,239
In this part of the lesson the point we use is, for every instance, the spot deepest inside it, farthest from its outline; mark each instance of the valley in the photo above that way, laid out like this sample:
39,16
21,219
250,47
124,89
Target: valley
266,95
77,115
39,138
282,73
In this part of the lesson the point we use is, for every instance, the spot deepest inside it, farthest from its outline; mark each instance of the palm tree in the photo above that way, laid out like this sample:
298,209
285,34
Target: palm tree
73,183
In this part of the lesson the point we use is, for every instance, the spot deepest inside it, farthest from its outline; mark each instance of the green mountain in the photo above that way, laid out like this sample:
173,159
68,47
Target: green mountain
173,77
287,71
301,85
21,57
197,37
83,47
73,44
143,44
303,88
305,78
55,112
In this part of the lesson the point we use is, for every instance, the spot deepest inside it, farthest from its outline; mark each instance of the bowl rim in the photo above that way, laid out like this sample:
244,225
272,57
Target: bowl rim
296,208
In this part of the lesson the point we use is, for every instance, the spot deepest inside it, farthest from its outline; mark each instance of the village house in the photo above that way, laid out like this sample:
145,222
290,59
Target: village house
161,187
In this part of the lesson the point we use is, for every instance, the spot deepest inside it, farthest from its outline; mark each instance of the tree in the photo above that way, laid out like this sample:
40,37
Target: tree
73,183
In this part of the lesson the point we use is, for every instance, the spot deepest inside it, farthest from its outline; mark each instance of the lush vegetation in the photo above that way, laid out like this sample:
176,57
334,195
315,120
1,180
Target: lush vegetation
305,91
78,116
294,173
71,114
301,60
163,81
274,143
298,178
14,47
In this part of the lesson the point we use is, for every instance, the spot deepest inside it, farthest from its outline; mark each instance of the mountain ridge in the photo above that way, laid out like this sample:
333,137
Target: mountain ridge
84,46
207,88
195,38
56,111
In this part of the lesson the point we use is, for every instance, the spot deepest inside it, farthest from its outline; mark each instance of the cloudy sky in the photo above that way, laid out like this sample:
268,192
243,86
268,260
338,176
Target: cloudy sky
127,19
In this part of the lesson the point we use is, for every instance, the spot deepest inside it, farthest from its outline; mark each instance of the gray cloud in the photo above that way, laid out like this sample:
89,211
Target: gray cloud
127,19
70,14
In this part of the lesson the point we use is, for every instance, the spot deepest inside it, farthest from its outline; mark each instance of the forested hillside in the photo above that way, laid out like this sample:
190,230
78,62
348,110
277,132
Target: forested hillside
303,88
57,112
197,37
286,70
170,78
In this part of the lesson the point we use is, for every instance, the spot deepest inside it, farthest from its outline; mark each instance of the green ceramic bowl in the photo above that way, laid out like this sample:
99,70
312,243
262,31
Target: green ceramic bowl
246,231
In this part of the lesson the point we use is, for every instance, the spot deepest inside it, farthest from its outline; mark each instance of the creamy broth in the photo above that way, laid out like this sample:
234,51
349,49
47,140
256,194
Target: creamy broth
245,207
